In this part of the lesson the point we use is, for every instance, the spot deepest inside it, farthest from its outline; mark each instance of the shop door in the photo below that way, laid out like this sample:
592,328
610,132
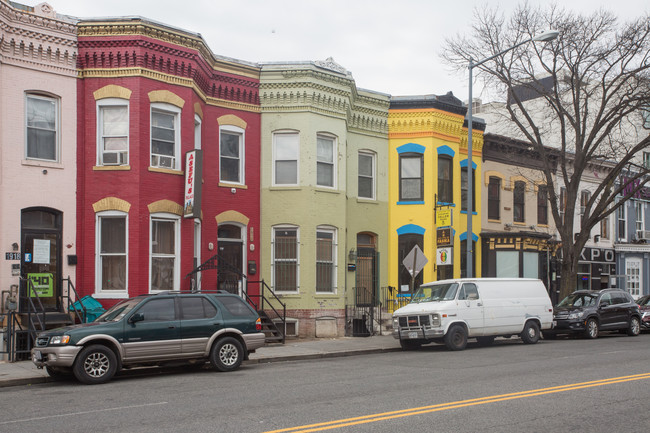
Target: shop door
41,255
231,259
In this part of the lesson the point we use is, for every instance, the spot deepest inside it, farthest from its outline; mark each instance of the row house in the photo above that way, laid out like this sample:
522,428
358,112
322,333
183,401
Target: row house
38,152
168,179
324,193
428,188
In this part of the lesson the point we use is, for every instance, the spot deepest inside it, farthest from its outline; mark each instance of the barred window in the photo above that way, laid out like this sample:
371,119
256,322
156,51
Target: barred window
518,200
542,205
285,259
494,198
325,260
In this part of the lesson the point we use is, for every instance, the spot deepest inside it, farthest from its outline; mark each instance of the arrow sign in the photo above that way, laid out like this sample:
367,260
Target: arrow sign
415,261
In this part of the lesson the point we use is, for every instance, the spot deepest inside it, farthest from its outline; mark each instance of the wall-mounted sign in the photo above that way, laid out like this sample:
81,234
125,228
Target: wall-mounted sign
444,256
12,256
443,217
43,285
193,183
443,236
41,251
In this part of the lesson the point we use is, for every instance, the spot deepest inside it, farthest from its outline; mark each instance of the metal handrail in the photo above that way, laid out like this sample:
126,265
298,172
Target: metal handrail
282,317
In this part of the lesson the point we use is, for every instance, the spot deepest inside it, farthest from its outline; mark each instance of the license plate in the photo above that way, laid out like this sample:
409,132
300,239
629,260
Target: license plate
413,334
36,356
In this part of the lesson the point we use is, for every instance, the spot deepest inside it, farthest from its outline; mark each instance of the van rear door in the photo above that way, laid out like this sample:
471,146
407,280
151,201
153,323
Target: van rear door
470,309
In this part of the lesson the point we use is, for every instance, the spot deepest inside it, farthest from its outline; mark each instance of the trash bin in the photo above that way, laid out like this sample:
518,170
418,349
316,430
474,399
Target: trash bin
93,308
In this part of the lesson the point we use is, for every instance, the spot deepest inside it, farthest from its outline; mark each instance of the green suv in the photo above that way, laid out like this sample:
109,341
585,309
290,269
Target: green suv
153,330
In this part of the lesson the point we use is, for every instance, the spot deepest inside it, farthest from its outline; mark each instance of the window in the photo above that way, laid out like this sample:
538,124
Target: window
604,228
406,242
367,175
113,132
645,114
411,182
285,259
158,310
464,189
584,201
42,127
231,154
633,276
445,190
111,268
518,202
646,156
463,259
165,136
285,158
236,306
640,219
494,198
165,250
542,205
562,203
197,308
622,221
197,131
325,161
325,260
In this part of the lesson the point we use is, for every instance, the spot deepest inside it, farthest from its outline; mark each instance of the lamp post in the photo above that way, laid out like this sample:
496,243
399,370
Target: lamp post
546,36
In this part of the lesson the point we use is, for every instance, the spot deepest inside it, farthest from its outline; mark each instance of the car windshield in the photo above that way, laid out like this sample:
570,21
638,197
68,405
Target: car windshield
118,311
644,301
578,300
438,292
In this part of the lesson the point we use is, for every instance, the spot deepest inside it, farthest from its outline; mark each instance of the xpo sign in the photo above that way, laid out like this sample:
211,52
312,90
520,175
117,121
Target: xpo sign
597,255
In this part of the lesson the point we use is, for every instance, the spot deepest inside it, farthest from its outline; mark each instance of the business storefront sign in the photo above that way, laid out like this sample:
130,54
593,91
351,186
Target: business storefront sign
193,182
444,256
443,236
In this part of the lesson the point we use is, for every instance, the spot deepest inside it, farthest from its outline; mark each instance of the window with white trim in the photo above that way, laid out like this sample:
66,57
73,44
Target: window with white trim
42,127
326,260
165,136
633,276
646,157
325,161
231,154
639,207
111,268
197,131
113,131
286,262
285,158
622,221
164,263
367,167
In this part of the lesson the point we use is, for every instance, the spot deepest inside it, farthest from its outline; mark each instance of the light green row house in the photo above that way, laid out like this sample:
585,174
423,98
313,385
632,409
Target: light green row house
324,193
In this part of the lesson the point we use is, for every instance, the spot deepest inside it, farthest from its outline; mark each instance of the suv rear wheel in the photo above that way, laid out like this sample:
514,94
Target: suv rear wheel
227,354
95,364
635,327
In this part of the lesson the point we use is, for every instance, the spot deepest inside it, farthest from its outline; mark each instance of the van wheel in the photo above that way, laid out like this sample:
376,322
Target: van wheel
95,364
456,338
530,334
635,327
227,354
410,345
591,329
485,341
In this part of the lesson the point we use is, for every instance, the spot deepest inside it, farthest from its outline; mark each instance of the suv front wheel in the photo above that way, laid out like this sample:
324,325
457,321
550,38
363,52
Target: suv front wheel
227,354
95,364
635,327
591,328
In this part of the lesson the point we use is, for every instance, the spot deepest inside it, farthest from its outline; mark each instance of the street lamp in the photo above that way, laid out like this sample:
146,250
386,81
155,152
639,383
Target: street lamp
546,36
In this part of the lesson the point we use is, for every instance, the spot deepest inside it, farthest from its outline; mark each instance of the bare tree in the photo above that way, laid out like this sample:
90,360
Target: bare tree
582,94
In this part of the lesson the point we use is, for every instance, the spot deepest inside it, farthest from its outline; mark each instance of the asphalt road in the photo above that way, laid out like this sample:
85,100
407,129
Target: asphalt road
554,386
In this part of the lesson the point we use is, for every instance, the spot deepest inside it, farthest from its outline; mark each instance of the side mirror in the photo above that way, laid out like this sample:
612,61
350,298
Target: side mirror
604,304
137,317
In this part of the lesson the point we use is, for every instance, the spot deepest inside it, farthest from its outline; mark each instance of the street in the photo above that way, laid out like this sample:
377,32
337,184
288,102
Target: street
565,385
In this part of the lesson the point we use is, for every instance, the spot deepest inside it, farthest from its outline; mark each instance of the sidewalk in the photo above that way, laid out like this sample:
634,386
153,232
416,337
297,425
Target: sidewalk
26,373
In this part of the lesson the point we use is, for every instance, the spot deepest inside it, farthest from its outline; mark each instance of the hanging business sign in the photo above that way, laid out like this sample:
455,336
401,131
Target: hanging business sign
444,256
443,217
193,183
443,236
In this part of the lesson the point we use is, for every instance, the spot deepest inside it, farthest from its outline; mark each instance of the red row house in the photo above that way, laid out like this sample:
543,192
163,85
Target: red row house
168,162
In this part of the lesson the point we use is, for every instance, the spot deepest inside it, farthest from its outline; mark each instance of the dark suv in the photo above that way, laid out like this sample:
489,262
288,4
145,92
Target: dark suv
644,308
153,330
590,311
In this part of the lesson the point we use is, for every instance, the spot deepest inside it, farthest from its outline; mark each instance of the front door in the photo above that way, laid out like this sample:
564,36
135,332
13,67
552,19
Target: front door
231,258
41,257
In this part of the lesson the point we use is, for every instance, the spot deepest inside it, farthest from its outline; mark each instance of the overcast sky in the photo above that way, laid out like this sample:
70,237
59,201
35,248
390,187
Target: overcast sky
390,46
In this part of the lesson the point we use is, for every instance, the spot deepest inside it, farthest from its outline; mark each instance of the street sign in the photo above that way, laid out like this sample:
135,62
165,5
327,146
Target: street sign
415,261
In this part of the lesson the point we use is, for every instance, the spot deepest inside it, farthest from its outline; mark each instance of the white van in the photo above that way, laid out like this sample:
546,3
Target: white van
451,311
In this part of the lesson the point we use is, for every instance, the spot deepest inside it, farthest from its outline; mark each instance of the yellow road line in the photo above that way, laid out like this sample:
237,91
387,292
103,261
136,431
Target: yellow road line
329,425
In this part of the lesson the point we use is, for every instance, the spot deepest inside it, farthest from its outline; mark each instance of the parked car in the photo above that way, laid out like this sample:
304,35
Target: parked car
588,312
451,311
153,330
644,308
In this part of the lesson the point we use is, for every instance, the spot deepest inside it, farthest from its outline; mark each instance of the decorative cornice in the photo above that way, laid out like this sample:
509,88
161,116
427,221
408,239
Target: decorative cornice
424,123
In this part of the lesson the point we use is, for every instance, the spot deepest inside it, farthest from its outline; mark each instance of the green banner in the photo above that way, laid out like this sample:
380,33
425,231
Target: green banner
43,285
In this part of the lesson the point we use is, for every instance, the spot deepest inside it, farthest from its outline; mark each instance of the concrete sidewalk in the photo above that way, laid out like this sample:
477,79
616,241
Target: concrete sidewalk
26,373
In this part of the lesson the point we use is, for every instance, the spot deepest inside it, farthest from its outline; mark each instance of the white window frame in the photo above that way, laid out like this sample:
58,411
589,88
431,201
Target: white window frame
57,126
646,156
334,262
101,104
322,163
633,276
621,215
177,247
275,157
176,112
242,153
273,259
639,208
99,292
373,175
197,131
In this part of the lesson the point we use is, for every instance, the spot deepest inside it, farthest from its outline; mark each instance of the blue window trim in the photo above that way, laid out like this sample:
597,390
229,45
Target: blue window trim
409,202
446,150
465,212
411,229
411,148
463,164
463,237
445,204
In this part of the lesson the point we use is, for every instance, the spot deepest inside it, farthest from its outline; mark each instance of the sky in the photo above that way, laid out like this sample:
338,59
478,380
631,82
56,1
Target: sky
389,46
